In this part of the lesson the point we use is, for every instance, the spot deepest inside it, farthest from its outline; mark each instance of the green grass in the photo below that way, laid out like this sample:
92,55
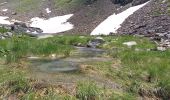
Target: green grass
19,47
3,30
88,91
117,41
141,69
134,70
12,81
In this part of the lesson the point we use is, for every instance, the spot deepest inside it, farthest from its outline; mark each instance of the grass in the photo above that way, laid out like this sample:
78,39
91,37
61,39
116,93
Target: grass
139,72
137,69
17,48
88,91
3,30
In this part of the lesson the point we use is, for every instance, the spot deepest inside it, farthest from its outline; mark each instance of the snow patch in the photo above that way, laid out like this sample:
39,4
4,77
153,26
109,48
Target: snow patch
3,20
113,22
4,10
48,10
53,25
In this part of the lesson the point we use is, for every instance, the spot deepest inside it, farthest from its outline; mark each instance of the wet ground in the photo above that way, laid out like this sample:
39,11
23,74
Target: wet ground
68,70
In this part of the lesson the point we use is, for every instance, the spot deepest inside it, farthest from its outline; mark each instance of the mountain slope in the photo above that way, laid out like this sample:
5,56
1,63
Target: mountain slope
88,14
153,18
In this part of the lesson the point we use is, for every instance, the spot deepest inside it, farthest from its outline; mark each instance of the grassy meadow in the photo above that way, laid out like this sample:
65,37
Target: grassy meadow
140,71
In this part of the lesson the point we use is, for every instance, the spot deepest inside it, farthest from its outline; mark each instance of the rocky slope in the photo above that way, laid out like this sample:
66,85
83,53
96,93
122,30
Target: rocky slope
88,14
153,18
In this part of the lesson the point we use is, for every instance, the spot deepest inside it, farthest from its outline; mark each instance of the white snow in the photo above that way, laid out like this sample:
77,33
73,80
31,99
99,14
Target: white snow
53,25
4,10
113,22
3,20
48,10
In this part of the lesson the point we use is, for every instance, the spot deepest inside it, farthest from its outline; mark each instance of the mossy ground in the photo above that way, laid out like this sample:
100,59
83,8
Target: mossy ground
134,68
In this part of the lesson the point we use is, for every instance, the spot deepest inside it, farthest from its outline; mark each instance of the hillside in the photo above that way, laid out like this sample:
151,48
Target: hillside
84,49
153,18
87,14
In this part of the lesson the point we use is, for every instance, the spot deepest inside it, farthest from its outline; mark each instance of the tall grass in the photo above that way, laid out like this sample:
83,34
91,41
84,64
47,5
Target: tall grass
88,91
19,47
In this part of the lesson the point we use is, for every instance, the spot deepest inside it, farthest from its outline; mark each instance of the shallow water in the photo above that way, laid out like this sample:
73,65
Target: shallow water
69,64
68,70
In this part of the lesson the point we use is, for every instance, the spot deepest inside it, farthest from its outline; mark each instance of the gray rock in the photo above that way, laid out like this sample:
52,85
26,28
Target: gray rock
96,42
9,34
2,37
161,48
21,24
14,13
130,43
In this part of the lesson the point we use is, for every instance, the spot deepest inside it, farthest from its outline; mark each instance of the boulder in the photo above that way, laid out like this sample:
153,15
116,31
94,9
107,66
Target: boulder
20,24
95,42
130,43
9,34
161,48
14,13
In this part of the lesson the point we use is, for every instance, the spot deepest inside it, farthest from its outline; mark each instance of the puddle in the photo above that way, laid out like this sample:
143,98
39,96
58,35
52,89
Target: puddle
69,64
68,70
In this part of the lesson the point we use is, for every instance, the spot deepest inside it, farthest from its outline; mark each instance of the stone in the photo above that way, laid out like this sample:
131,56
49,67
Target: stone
161,48
2,37
9,34
130,43
21,24
113,34
14,13
138,35
95,42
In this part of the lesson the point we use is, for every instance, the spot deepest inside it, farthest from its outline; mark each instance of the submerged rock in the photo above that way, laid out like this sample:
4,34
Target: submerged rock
96,42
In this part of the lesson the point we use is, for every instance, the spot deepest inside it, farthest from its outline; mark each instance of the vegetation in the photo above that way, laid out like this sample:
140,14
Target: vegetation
19,47
137,69
88,91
